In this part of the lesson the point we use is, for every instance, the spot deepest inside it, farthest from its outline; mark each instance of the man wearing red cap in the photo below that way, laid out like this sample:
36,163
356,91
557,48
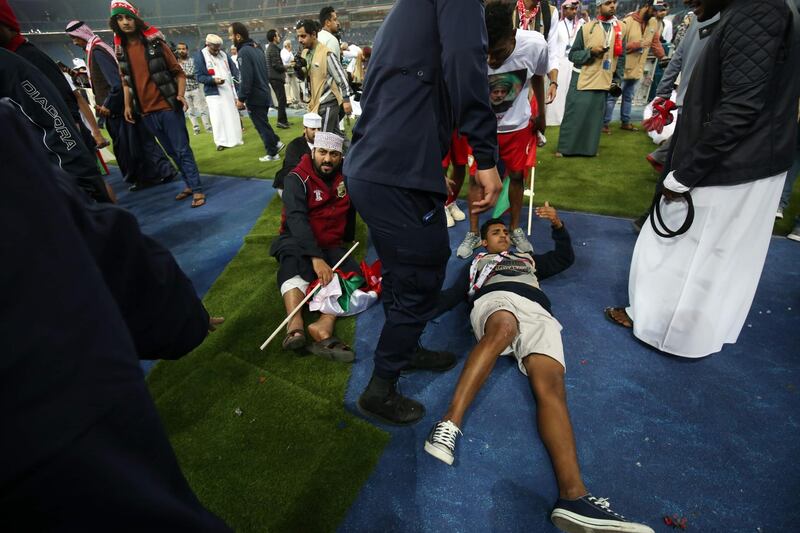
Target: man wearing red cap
154,88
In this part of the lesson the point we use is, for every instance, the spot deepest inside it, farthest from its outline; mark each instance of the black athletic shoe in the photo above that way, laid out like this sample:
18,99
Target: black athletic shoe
441,442
591,515
381,400
283,125
424,359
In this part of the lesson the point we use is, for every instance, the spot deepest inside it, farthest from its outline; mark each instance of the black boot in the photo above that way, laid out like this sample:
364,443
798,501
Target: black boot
424,359
382,401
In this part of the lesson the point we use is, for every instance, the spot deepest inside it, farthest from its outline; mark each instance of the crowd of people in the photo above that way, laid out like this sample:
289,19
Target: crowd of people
451,89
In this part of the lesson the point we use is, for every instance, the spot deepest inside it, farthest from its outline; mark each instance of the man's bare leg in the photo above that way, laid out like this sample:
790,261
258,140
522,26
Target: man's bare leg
499,332
547,382
516,188
323,328
290,301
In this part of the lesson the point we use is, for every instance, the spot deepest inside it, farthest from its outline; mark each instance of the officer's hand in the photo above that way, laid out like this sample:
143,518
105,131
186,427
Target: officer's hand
489,182
214,321
322,269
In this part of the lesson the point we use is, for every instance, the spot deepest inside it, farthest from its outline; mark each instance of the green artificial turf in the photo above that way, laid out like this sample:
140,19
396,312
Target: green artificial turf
618,182
294,459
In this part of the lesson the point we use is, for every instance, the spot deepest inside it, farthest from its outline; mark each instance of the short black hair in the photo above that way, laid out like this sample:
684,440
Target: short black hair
499,16
182,43
241,29
271,34
486,225
308,25
325,14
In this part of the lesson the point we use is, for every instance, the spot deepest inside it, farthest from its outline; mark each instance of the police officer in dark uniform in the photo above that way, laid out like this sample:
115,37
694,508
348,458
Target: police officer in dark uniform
427,76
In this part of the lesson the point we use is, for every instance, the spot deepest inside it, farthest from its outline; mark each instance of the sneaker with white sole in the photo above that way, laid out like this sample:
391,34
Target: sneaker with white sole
267,158
457,214
281,146
449,217
795,234
520,241
441,442
468,245
592,515
779,213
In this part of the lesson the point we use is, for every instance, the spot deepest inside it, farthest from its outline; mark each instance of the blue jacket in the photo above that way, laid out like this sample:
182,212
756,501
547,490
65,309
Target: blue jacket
203,77
254,85
427,76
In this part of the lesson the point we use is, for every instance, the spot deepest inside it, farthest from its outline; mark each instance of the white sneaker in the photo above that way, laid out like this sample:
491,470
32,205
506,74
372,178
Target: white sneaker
541,139
520,241
267,158
450,221
779,213
470,242
441,442
457,214
795,234
281,146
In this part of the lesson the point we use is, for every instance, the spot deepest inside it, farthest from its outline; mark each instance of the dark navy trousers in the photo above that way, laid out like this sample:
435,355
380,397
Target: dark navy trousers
409,232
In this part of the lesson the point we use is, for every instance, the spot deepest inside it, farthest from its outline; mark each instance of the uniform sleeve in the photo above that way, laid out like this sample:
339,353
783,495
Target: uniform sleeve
296,209
462,33
743,87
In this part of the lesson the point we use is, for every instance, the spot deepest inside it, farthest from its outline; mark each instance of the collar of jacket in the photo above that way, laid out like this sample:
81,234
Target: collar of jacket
247,42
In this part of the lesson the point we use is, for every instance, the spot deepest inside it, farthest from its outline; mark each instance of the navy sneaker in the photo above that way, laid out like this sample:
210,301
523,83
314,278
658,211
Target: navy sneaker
591,515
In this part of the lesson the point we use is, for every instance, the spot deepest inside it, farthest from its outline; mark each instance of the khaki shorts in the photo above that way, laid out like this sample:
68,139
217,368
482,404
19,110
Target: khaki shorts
538,333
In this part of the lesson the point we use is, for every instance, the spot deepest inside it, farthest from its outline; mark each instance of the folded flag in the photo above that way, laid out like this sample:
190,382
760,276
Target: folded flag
348,293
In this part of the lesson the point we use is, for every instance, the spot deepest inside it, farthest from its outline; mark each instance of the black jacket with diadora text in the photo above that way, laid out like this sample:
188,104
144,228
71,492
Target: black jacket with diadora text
28,90
739,116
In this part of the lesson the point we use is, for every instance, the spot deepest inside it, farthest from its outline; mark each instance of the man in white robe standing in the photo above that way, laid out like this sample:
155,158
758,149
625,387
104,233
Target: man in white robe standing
215,71
568,27
690,292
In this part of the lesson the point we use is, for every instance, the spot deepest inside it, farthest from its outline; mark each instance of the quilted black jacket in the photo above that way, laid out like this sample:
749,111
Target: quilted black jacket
739,116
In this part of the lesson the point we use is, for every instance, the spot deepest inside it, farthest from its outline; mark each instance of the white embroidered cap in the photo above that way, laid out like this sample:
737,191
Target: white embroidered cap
312,120
328,141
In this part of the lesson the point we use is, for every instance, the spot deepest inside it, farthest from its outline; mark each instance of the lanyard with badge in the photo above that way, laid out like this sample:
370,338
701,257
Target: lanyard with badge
609,34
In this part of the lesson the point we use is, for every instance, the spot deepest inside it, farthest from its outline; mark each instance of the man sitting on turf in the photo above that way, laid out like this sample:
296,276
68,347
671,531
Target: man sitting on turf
317,218
510,314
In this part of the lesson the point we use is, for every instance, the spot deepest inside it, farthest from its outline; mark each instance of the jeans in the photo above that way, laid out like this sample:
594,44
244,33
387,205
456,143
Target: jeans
198,108
169,127
628,90
258,114
280,94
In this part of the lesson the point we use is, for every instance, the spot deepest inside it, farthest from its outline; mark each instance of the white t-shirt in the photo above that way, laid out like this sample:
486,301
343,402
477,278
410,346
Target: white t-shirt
286,56
329,40
508,85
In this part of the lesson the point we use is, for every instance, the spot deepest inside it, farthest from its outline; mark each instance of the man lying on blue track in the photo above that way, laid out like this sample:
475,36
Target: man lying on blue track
511,315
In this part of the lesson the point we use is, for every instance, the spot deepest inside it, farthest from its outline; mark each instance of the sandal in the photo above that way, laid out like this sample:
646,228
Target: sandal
184,194
613,314
333,349
198,200
295,340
